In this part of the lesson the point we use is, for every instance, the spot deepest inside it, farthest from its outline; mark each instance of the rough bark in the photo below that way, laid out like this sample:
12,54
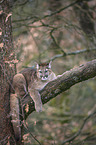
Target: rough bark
7,70
62,83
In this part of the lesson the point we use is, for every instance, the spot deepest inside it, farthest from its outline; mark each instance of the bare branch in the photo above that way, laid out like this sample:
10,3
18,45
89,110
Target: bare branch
72,53
31,134
62,9
49,15
20,3
79,131
51,34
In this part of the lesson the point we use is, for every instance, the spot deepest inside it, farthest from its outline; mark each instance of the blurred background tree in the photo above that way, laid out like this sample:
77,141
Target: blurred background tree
63,31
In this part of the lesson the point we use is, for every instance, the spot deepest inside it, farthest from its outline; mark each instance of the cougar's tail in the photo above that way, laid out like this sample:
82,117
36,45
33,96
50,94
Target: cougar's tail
14,106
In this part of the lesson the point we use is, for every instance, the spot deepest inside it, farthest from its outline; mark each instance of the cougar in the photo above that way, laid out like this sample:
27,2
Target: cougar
30,81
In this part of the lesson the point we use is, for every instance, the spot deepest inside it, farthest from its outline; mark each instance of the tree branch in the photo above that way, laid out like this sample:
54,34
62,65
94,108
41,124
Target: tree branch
49,15
61,84
81,128
72,53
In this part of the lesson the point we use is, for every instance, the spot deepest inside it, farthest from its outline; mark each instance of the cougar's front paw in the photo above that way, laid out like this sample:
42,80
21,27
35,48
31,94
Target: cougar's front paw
38,107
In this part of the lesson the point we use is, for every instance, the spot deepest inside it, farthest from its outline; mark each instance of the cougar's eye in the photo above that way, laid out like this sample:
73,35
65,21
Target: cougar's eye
40,71
46,71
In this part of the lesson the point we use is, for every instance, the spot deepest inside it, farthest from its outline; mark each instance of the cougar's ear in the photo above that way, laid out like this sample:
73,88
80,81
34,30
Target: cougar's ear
50,65
37,65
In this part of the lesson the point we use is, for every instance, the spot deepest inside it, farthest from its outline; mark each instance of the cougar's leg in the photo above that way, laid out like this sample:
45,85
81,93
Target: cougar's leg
19,85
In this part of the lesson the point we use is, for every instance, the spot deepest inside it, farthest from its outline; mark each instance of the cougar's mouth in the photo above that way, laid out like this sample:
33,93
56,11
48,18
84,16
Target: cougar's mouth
44,78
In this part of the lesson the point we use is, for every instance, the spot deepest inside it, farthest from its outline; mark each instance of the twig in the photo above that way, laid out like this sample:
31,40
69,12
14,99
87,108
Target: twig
56,56
26,127
51,34
79,131
58,11
72,53
4,140
46,16
47,25
20,4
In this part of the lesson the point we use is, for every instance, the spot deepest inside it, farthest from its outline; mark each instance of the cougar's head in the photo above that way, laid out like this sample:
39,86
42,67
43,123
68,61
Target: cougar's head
43,71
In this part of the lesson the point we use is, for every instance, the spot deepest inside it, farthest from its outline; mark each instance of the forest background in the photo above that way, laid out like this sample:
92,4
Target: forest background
63,31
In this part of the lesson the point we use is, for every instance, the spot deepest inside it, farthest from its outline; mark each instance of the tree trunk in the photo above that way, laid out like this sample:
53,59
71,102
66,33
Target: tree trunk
7,70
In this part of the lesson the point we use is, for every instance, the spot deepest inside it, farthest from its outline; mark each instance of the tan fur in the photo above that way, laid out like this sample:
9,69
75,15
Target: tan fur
29,81
14,105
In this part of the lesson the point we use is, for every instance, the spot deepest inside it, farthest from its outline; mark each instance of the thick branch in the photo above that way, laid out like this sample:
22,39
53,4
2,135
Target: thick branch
63,83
